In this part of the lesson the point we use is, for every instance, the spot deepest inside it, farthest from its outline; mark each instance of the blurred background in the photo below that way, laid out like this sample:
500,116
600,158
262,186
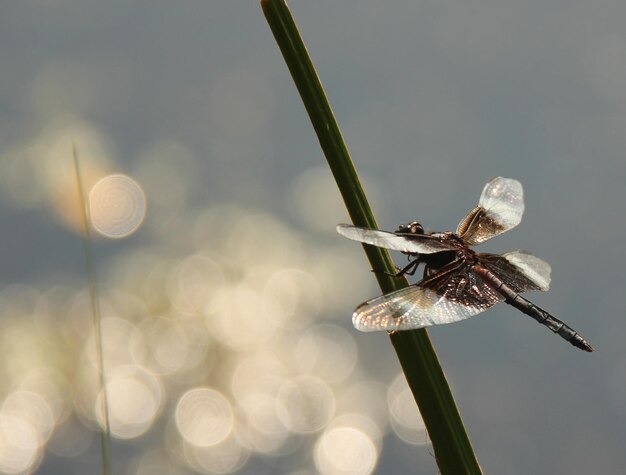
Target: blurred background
226,309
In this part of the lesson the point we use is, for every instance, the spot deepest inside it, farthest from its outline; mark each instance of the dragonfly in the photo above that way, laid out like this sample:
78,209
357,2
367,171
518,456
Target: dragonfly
458,282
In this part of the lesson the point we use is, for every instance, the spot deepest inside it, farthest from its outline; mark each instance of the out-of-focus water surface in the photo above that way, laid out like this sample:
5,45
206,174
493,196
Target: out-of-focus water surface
226,294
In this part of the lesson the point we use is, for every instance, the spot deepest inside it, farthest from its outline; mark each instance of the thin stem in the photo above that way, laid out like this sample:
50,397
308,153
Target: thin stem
105,432
417,357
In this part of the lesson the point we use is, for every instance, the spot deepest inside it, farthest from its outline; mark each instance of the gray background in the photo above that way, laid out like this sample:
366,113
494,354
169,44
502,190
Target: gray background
434,98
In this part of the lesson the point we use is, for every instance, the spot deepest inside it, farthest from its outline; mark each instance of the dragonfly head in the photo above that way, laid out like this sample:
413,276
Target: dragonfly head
411,228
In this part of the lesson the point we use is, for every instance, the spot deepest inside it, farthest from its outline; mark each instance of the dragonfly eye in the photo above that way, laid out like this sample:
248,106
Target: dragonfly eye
416,228
411,228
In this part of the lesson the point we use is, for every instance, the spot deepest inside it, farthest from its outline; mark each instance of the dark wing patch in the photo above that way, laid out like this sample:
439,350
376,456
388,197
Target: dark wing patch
453,294
479,226
519,270
500,208
457,282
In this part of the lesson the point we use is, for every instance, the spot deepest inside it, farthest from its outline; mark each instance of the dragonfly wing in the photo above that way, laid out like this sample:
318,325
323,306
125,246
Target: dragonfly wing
454,294
534,270
410,308
519,270
410,243
500,208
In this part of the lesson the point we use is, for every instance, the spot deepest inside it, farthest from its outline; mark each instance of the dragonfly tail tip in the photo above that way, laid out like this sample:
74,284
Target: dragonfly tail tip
586,346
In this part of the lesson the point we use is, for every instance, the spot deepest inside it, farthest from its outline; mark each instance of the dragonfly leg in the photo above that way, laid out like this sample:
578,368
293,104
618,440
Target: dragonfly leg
401,271
408,269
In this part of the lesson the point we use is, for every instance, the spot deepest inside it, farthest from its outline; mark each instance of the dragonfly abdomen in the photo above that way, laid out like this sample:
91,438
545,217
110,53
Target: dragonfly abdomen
526,306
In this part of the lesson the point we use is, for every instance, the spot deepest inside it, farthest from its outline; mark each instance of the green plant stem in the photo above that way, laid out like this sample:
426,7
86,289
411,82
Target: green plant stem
453,450
105,432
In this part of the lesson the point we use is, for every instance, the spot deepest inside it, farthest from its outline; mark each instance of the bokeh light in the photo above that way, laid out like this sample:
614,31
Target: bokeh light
406,420
156,462
316,201
291,297
204,417
326,351
191,283
220,356
305,404
236,280
70,439
20,444
367,397
117,206
134,400
265,433
261,374
33,409
40,172
345,451
227,456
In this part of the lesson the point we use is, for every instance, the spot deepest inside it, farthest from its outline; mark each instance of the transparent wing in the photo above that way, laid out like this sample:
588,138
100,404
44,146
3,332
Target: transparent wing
413,243
535,269
499,209
454,294
519,270
410,308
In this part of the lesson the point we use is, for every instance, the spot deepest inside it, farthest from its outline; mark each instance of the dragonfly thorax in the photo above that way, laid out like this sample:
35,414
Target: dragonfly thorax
411,228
